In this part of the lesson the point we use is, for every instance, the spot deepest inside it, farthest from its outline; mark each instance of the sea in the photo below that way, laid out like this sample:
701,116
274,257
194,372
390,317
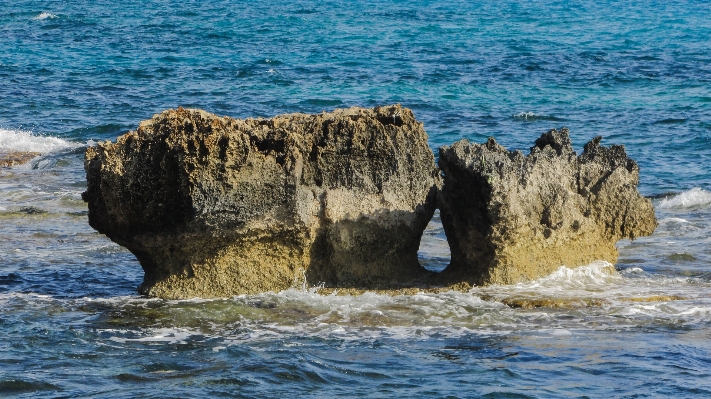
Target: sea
638,73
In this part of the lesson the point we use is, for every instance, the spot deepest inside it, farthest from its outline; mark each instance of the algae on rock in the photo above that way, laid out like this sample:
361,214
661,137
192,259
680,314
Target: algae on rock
213,206
509,217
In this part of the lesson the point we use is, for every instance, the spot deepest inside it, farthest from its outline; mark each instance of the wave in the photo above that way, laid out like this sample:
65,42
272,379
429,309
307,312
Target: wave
25,141
531,117
696,197
45,15
598,275
631,297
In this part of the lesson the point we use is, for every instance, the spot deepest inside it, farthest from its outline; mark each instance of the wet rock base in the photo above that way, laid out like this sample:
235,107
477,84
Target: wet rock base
511,217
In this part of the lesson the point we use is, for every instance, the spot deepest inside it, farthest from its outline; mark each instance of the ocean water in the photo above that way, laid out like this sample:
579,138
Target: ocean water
637,73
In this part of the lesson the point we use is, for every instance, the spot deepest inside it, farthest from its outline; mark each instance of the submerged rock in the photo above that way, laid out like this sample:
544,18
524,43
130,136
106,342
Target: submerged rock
511,217
213,206
14,158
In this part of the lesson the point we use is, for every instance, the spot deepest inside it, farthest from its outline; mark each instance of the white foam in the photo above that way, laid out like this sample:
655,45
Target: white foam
526,115
25,141
695,197
163,335
673,220
45,15
595,274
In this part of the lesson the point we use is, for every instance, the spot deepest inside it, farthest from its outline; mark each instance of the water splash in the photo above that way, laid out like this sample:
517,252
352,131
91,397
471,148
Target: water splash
24,141
696,197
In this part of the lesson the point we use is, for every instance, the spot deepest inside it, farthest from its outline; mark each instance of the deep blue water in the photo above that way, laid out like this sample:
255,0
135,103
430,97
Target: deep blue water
637,73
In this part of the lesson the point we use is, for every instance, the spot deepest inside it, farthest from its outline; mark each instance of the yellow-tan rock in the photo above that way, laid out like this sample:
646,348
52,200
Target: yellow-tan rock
214,206
511,217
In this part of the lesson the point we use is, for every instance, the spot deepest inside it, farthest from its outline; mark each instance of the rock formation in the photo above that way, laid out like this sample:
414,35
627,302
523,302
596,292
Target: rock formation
213,206
509,217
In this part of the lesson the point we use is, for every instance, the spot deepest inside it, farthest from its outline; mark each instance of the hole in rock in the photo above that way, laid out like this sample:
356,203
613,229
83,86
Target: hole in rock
434,252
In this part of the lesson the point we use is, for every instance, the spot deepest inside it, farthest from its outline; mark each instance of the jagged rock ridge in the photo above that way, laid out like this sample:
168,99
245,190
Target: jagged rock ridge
509,217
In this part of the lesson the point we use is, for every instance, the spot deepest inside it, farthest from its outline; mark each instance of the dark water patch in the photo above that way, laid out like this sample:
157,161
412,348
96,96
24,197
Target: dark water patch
128,377
681,257
238,382
598,56
16,386
294,374
670,121
10,279
533,67
507,395
477,351
663,195
306,11
108,131
627,261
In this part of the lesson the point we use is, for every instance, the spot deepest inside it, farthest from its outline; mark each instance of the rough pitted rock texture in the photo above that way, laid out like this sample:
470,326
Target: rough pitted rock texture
509,217
213,206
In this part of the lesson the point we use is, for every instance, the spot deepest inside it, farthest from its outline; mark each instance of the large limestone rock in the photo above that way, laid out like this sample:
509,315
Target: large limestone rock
509,217
213,206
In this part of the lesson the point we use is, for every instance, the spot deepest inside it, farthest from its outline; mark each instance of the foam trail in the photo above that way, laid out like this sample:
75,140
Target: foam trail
25,141
688,199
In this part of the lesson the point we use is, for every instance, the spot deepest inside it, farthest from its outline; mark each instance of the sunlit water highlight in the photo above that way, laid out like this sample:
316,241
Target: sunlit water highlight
72,324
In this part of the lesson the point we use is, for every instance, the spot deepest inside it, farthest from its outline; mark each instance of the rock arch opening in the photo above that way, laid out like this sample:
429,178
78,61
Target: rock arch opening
434,254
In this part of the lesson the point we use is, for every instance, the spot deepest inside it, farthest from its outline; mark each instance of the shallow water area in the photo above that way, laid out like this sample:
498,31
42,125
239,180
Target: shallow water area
73,325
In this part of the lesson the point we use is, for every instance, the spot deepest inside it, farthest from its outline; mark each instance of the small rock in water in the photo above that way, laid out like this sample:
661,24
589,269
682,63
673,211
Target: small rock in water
213,206
32,210
511,217
10,159
562,303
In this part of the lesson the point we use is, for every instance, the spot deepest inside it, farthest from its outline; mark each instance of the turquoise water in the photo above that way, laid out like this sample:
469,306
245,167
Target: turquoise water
637,73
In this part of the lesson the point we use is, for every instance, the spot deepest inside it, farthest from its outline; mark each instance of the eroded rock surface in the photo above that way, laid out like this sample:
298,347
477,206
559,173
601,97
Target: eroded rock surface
213,206
511,217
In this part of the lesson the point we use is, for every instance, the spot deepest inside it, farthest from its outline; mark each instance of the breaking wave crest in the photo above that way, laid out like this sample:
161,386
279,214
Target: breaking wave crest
45,15
696,197
25,141
532,116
